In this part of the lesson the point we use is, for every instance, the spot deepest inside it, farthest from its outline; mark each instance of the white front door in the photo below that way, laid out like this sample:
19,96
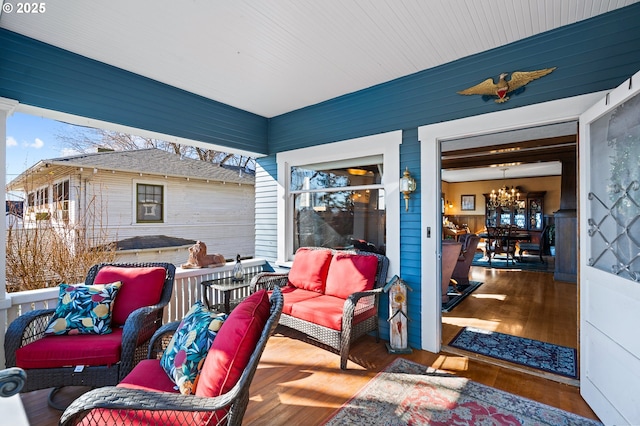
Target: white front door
609,217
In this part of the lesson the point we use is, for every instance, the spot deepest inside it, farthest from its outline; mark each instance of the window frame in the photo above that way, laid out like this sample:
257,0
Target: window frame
136,219
385,144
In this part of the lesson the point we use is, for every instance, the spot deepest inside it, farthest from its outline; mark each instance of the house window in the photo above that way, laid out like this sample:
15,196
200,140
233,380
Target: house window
61,199
339,205
348,197
149,203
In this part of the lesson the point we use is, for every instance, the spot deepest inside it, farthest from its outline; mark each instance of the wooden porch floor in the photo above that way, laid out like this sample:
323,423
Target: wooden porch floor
299,382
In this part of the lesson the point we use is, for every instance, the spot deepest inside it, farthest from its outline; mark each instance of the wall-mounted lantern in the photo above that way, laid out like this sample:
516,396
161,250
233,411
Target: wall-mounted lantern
407,186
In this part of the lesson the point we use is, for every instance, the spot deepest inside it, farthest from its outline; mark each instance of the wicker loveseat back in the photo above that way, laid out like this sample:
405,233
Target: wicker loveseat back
335,319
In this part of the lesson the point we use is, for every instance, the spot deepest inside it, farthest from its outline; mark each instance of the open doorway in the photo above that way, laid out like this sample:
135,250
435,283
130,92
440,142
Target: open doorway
490,125
517,293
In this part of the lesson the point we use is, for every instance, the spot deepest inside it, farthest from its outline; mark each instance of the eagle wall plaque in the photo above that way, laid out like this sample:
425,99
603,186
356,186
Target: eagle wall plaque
499,91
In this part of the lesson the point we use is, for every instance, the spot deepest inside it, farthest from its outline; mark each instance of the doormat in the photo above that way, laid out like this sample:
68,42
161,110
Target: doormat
543,356
406,393
455,297
528,263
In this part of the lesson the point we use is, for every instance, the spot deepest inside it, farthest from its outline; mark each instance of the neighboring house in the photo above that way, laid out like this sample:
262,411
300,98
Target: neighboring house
382,129
153,204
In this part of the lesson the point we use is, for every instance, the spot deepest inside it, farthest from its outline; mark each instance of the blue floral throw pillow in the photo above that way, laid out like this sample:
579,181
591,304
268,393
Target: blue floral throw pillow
84,309
188,348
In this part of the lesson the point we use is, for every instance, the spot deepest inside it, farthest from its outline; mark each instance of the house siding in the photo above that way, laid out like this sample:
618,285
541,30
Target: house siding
221,215
266,208
41,75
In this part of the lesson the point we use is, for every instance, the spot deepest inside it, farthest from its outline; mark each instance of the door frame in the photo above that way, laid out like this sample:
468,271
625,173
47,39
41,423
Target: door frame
430,137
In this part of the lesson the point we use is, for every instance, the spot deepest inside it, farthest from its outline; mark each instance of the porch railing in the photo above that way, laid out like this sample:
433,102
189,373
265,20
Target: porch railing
186,291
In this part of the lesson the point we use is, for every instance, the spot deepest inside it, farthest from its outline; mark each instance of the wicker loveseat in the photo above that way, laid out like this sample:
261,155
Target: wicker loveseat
147,396
330,295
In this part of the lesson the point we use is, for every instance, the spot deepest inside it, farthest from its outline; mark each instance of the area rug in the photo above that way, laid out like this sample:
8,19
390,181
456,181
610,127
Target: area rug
528,263
455,297
543,356
406,393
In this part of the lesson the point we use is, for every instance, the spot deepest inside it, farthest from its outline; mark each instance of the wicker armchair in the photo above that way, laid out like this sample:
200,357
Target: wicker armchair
125,405
28,330
357,303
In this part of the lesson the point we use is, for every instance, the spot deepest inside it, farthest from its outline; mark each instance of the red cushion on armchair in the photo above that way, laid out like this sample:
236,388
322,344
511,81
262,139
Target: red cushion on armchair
71,350
233,346
140,287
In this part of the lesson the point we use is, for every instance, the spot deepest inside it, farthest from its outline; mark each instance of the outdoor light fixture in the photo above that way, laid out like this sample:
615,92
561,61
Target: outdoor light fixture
407,186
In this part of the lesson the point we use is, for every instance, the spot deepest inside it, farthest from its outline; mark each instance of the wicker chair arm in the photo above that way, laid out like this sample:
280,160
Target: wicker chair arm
137,329
160,339
11,381
119,398
25,329
268,280
350,307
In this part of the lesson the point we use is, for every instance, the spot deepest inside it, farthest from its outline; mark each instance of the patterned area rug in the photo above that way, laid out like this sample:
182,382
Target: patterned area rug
455,297
529,263
531,353
406,393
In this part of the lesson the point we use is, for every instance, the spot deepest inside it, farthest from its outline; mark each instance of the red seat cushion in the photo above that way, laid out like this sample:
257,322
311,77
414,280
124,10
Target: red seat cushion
350,273
232,347
309,269
149,375
140,287
293,295
326,311
70,350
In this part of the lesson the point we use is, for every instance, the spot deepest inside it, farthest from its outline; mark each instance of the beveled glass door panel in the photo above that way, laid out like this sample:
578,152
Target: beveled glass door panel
614,197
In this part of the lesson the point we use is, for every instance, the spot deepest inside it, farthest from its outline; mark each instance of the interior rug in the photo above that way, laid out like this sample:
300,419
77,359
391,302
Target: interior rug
544,356
528,263
455,297
406,393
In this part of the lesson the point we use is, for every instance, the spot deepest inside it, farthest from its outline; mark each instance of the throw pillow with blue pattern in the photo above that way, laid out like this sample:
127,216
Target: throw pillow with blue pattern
188,348
84,309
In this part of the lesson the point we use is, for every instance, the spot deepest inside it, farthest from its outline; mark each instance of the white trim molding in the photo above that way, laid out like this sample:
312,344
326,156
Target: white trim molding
562,110
385,144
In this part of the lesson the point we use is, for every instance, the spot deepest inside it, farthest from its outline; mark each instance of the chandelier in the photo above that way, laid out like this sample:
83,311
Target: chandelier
504,197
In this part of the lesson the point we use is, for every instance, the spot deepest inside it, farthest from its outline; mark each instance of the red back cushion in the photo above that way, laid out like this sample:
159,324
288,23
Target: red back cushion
140,287
309,269
349,273
232,347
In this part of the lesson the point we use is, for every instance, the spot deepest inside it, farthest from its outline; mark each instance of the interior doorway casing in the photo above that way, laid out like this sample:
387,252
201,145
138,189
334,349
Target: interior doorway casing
431,137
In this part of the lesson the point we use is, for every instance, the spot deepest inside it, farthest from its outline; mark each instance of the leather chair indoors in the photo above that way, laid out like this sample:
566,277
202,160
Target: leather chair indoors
469,245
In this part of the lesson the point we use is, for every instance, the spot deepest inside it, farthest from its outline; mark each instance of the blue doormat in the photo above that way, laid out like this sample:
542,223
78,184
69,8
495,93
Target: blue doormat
528,263
455,297
543,356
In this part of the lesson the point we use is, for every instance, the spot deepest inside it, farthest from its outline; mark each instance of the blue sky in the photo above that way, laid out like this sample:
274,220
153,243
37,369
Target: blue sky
31,139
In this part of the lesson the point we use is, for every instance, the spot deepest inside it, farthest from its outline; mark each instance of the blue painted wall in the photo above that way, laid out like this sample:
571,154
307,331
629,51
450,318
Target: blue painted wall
38,74
592,55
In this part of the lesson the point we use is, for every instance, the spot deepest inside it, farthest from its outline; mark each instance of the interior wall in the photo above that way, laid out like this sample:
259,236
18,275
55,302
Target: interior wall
453,192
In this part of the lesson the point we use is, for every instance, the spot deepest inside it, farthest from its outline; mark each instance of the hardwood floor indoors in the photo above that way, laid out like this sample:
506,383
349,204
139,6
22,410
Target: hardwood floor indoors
300,383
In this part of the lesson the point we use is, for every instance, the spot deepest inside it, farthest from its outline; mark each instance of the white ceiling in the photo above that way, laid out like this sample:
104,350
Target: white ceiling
271,57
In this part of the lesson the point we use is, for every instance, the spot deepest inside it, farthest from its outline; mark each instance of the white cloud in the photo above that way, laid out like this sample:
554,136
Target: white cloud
37,144
11,141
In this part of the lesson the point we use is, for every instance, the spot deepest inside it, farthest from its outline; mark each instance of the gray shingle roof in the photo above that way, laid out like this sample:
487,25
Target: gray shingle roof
156,162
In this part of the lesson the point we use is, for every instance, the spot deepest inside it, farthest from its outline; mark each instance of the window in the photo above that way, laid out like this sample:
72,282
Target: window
339,206
349,193
149,203
61,199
